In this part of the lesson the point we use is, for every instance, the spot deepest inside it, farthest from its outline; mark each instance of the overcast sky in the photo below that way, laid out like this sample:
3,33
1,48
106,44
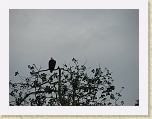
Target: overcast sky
108,37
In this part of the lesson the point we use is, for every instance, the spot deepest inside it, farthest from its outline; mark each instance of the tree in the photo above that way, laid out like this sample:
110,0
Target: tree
137,103
66,86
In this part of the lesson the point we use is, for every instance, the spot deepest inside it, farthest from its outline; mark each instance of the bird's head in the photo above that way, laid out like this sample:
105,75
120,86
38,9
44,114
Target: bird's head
52,58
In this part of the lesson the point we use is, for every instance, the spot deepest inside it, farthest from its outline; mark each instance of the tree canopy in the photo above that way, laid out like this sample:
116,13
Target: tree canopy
66,86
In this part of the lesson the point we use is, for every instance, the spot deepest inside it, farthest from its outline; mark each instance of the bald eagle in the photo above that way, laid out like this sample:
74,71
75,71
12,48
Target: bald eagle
52,63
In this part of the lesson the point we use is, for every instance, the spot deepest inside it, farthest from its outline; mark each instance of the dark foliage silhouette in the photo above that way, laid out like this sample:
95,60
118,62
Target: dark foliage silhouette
137,103
66,86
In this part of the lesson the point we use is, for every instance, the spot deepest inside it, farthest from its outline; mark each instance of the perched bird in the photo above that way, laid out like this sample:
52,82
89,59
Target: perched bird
52,63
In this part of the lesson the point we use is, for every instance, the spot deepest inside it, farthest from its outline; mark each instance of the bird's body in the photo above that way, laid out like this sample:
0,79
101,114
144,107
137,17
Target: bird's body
52,64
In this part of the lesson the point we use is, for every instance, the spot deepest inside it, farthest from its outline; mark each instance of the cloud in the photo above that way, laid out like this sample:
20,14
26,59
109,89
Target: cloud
108,37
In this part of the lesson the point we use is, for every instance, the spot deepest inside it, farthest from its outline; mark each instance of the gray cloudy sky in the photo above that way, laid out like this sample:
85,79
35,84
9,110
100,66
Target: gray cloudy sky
108,37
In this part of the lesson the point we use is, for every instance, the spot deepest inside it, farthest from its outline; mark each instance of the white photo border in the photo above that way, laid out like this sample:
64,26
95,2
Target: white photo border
142,5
